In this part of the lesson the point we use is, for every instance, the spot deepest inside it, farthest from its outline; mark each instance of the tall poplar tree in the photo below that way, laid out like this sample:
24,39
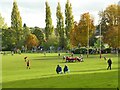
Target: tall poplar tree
60,26
26,31
16,24
49,27
69,19
3,25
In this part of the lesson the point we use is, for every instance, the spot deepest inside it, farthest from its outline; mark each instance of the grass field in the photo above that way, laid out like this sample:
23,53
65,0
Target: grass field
91,73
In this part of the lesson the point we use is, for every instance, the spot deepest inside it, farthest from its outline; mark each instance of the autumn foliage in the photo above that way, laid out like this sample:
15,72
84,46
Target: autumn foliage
110,23
31,41
85,27
112,36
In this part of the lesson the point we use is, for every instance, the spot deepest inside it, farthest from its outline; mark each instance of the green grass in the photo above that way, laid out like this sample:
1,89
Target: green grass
91,73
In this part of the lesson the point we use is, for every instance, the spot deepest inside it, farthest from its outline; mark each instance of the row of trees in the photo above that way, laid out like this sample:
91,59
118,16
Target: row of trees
24,36
62,32
68,35
109,25
17,35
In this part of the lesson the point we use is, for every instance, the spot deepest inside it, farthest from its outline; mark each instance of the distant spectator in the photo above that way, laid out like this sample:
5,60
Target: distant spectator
59,70
109,63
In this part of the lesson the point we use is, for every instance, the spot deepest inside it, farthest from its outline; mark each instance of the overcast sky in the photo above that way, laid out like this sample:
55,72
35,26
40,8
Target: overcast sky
33,11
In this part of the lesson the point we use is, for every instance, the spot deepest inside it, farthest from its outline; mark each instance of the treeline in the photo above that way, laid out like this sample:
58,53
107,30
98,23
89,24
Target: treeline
67,34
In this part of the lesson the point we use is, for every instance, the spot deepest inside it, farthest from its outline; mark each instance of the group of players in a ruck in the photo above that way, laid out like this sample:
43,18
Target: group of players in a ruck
73,59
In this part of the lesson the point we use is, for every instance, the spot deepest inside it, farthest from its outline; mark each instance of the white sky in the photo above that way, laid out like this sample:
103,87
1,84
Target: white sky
33,11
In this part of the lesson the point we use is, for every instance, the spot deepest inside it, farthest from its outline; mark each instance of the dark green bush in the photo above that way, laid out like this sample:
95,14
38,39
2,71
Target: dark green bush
80,51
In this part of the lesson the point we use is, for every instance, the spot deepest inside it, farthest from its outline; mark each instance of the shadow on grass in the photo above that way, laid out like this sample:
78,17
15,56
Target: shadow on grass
49,75
67,81
95,70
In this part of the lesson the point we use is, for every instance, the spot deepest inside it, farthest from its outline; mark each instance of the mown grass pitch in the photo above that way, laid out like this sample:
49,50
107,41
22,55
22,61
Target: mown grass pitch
91,73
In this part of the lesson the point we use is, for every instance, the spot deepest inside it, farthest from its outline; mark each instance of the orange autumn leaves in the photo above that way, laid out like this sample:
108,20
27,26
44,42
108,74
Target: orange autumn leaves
31,41
111,25
85,27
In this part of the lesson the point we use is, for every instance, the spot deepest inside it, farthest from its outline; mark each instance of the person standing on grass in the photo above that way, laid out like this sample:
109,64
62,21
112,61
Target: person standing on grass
28,64
109,63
